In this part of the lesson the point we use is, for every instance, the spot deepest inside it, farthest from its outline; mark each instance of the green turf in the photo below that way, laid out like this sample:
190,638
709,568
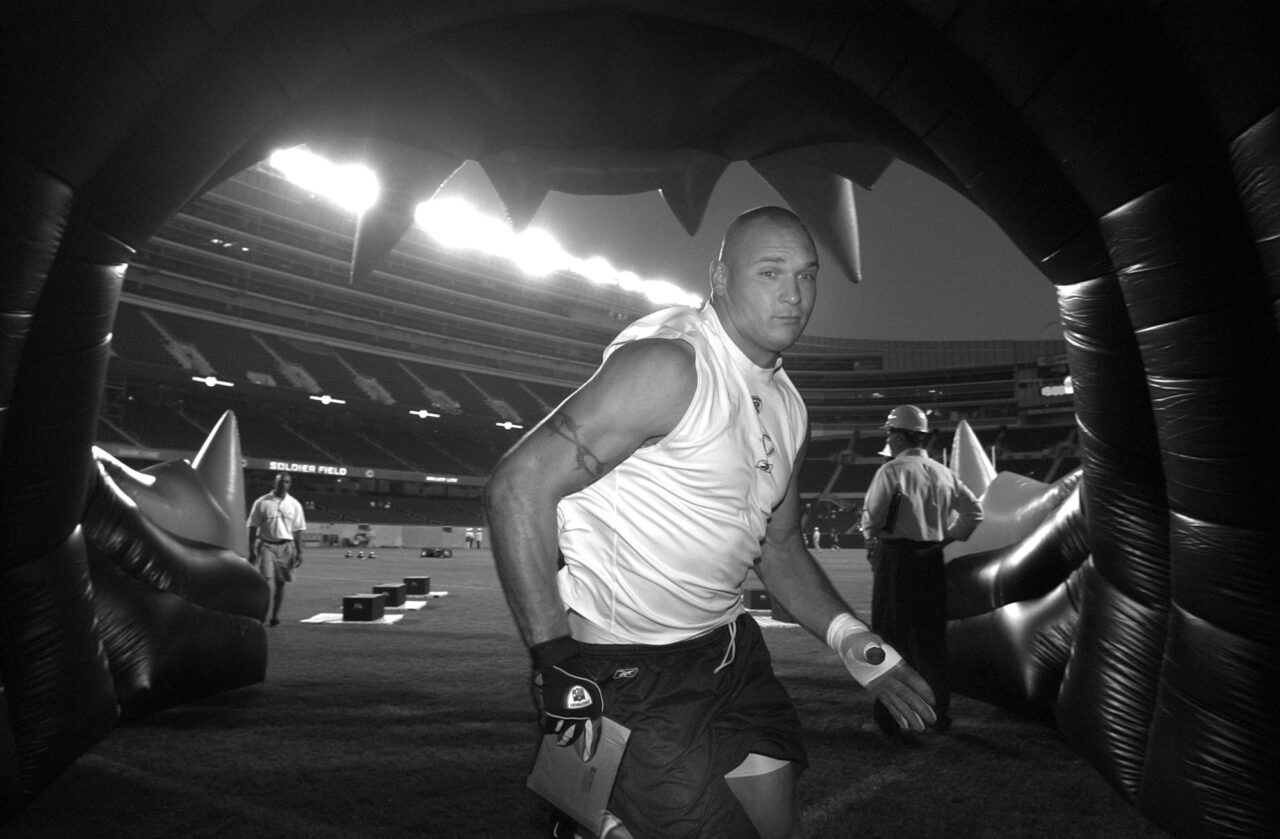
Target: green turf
425,728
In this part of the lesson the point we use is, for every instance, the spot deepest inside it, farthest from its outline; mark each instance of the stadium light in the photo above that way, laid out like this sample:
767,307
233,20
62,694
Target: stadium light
537,253
455,223
351,185
423,413
328,400
631,281
660,290
508,425
212,381
596,269
1067,388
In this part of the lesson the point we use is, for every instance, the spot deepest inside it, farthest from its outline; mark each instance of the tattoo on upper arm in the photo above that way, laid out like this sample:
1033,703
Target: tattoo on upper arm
562,425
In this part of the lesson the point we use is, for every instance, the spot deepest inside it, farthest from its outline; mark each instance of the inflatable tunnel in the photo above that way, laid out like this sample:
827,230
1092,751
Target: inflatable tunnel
1131,150
179,608
150,605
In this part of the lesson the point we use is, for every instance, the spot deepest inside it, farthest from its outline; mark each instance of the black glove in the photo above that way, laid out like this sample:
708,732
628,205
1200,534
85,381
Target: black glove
569,700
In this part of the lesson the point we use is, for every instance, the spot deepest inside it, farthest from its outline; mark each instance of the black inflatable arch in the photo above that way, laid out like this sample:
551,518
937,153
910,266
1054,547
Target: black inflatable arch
1130,149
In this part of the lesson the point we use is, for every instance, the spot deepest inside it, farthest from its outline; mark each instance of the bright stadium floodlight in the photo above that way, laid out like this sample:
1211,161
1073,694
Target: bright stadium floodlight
665,291
537,253
423,413
351,186
508,425
630,281
328,400
597,269
455,223
212,381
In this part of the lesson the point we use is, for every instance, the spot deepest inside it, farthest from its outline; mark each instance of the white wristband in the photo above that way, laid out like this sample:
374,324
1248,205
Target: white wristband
856,644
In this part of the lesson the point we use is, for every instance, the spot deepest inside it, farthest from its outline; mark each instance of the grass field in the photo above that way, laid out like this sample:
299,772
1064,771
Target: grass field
425,728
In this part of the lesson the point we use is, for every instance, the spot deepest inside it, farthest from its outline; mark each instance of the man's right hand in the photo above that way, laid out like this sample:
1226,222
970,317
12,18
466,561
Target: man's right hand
569,700
571,705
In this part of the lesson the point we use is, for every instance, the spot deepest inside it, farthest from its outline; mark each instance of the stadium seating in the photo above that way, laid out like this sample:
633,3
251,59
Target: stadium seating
294,251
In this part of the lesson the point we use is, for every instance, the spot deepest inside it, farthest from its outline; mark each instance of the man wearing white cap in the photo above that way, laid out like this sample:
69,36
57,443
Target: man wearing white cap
914,508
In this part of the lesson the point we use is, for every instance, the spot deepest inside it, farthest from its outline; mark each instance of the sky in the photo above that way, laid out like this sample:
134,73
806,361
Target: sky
935,268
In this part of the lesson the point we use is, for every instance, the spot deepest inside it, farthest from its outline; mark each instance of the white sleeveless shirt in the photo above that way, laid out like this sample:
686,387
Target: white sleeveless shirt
657,550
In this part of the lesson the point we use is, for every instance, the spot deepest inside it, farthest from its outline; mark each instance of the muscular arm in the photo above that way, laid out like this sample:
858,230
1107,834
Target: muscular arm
638,395
794,577
789,570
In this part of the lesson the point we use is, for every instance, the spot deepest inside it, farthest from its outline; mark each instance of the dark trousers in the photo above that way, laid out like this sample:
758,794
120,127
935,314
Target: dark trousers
696,709
909,610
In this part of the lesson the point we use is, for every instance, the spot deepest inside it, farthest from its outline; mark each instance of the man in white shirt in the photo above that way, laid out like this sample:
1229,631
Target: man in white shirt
276,523
914,508
663,481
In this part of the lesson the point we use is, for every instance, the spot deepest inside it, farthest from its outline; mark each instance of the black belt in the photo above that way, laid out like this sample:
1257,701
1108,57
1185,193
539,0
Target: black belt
275,541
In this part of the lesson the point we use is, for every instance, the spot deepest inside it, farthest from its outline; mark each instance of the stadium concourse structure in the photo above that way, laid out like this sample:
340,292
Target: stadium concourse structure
390,399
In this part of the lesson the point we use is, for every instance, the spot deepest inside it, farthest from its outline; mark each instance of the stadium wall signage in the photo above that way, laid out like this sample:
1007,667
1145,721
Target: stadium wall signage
307,468
338,471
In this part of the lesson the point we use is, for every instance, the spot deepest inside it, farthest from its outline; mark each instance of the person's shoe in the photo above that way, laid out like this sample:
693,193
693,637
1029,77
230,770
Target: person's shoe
275,621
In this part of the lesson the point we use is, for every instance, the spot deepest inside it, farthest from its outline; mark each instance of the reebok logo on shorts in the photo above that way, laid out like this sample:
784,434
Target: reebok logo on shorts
626,672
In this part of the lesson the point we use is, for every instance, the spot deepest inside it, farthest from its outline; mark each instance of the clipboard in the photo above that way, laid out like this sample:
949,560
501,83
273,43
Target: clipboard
891,517
580,790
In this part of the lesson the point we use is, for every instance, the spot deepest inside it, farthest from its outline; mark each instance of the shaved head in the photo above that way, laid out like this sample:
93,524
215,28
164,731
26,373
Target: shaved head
764,283
779,216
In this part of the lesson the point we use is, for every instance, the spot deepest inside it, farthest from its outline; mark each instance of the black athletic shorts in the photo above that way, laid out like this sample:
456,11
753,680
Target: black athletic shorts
690,725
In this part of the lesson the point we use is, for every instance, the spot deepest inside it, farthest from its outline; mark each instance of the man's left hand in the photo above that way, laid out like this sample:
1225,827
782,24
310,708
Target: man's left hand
906,695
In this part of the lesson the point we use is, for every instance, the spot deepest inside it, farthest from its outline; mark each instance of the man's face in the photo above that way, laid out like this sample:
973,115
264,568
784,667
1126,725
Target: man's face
283,482
765,286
